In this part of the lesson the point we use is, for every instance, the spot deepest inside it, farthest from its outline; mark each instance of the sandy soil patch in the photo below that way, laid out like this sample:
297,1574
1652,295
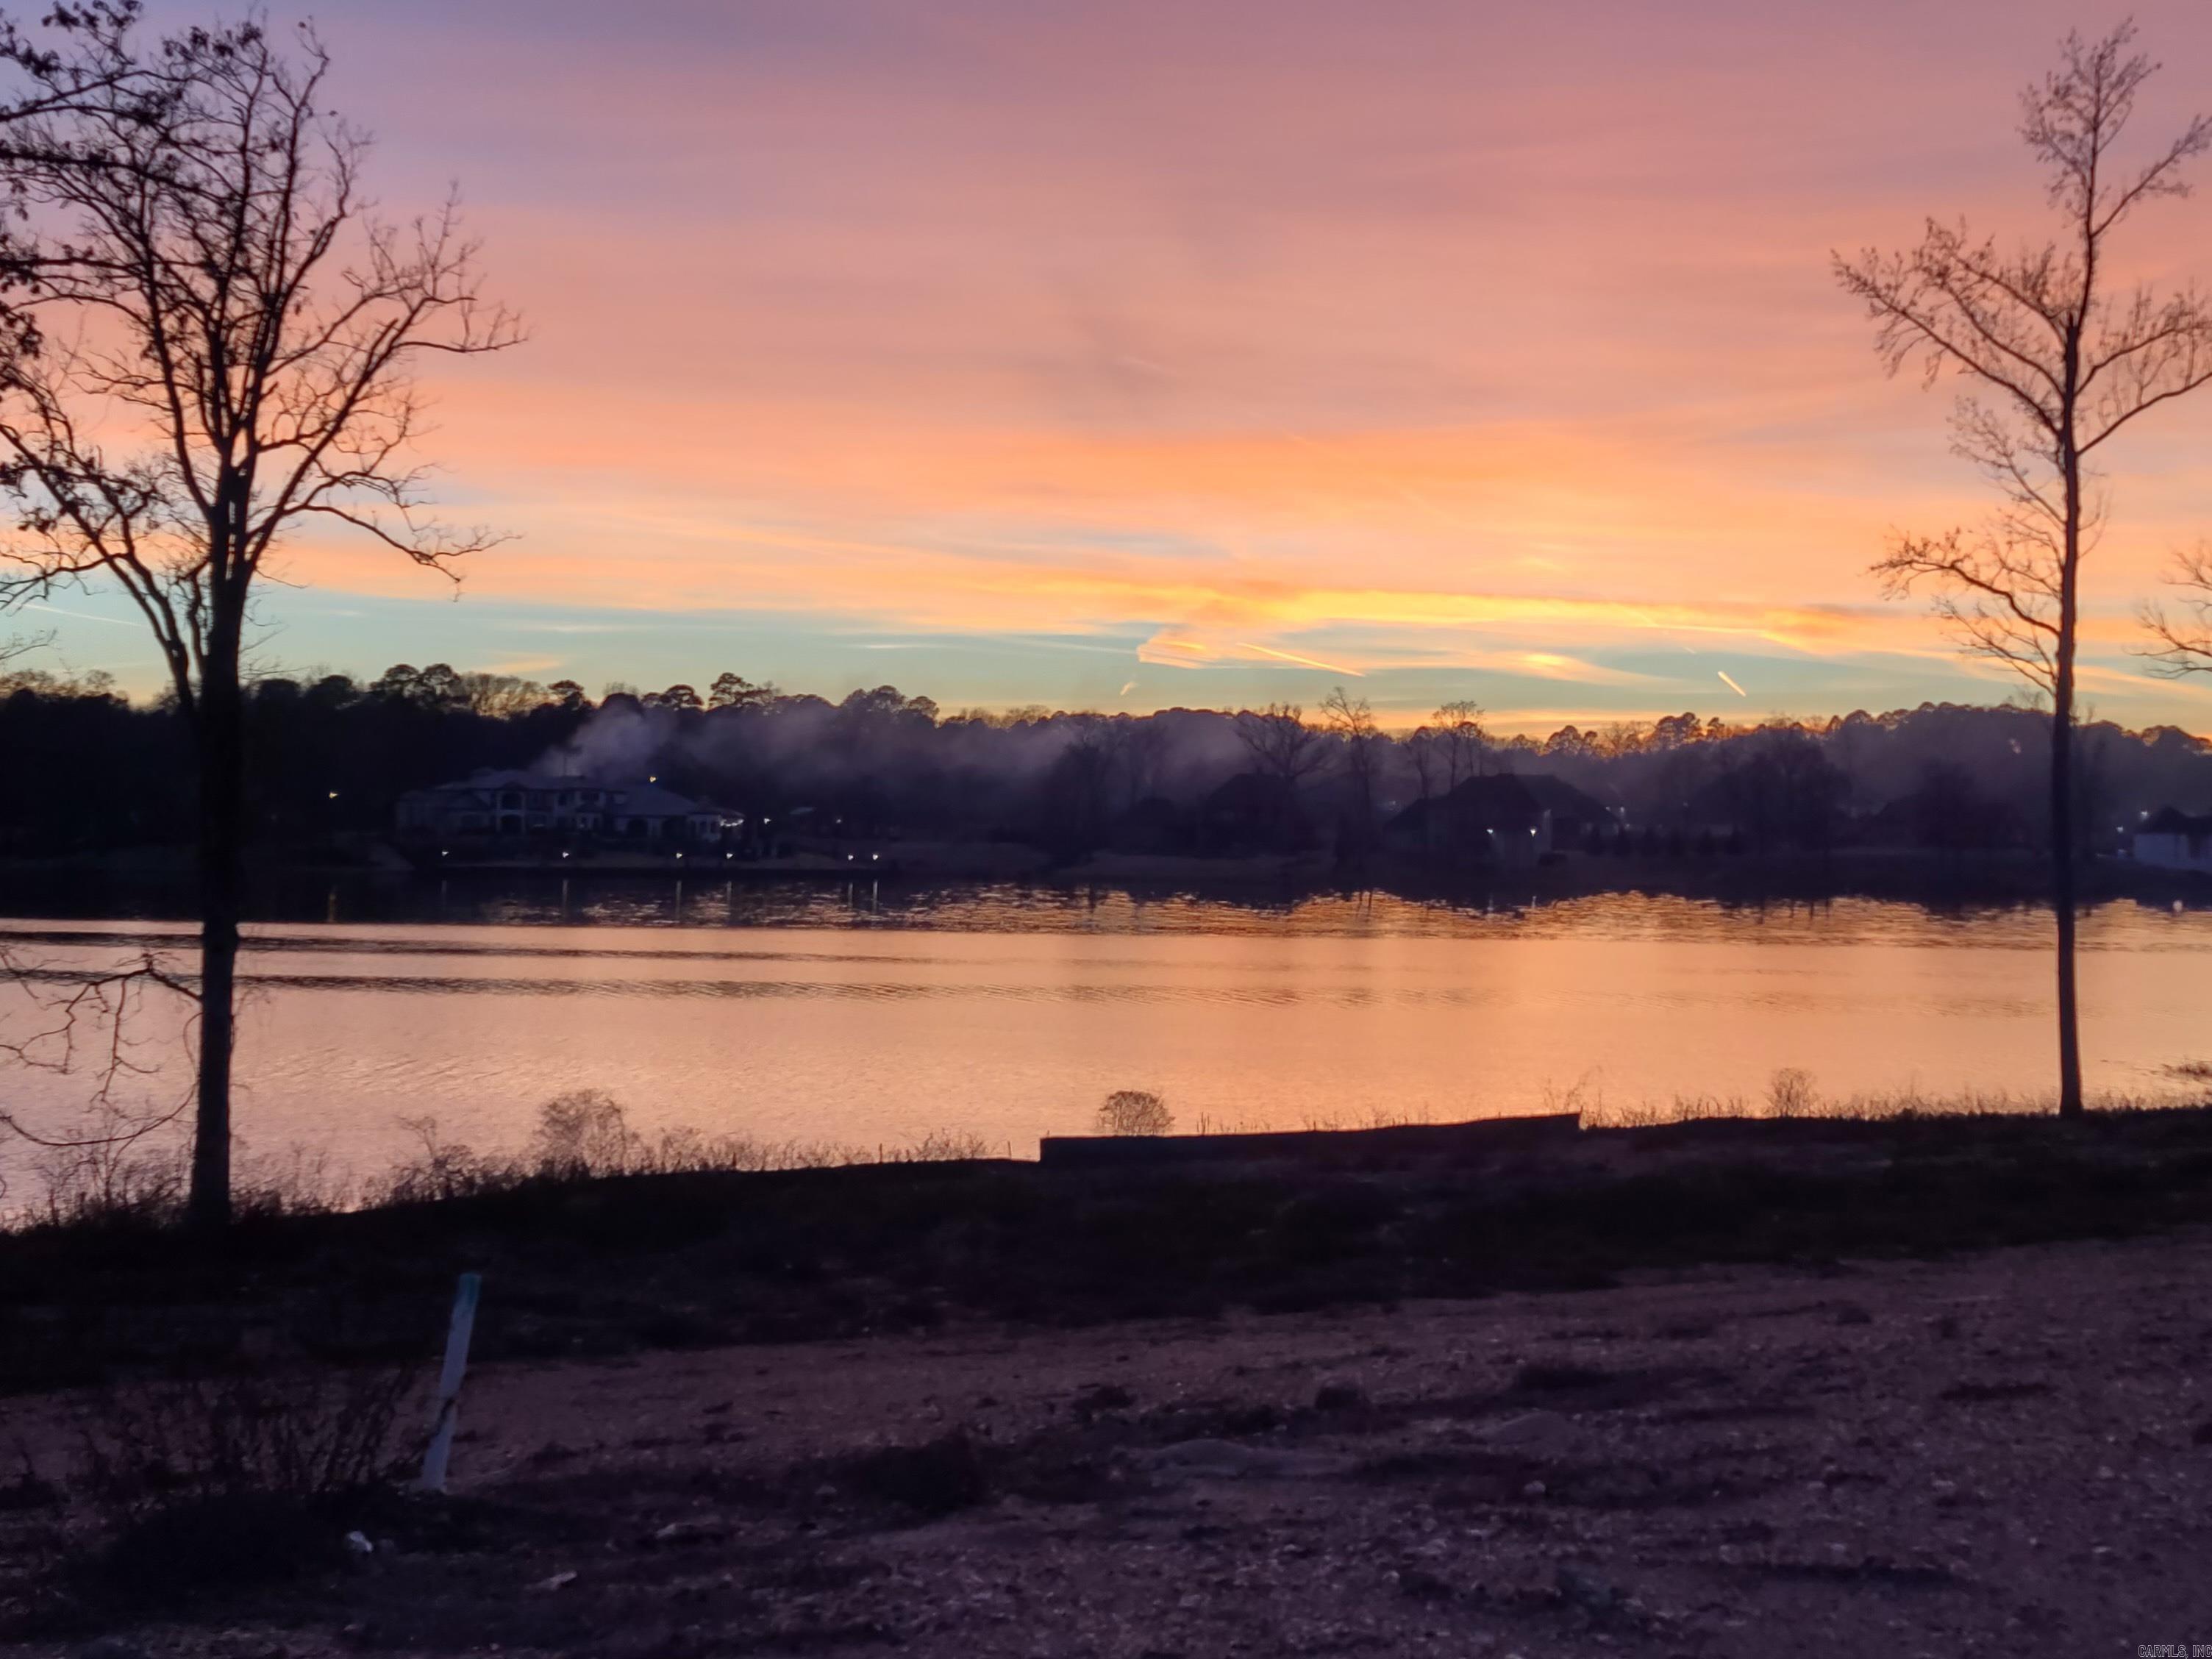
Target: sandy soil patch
2004,1454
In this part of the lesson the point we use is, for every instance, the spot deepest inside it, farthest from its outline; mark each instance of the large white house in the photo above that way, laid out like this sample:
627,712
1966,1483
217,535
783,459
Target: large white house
2171,840
513,803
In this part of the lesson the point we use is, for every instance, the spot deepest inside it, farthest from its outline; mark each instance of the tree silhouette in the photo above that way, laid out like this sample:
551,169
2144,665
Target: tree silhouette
1282,745
1361,749
1465,740
1424,747
2184,642
2067,361
735,691
191,245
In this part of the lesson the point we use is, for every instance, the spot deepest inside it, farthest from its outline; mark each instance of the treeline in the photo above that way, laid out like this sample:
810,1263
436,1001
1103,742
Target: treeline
91,770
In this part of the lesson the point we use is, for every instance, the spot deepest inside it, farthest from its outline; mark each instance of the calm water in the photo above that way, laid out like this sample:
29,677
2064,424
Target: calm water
821,1014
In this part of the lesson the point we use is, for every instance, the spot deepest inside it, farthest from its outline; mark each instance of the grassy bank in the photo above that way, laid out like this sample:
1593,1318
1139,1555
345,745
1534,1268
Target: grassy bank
578,1263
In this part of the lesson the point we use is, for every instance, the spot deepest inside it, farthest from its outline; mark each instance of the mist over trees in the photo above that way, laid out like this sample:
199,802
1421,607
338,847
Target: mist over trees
329,756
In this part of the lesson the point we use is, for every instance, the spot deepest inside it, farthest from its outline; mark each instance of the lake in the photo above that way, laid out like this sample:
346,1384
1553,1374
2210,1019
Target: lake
870,1017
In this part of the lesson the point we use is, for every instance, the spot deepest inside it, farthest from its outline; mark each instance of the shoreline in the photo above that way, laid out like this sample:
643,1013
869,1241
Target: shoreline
1663,1389
706,1257
1931,881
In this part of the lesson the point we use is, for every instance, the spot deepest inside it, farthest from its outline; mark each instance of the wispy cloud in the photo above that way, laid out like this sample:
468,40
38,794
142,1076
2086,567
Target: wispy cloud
82,616
1494,343
1294,657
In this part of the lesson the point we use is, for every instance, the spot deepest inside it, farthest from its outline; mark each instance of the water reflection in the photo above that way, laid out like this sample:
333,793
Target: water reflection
564,899
868,1013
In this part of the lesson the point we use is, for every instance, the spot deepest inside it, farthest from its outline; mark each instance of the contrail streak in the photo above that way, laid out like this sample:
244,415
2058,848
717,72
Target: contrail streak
1310,662
1731,684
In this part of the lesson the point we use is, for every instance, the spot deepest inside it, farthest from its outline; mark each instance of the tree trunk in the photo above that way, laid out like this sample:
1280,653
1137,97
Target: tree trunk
221,755
2062,773
2062,893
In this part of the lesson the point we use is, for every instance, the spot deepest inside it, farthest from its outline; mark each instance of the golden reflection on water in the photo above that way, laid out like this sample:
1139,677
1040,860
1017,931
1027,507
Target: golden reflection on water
1337,1011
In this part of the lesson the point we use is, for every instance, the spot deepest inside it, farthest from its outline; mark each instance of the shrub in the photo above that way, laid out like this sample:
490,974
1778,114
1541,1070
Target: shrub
947,1147
1789,1092
234,1479
291,1432
1134,1112
113,1168
442,1169
585,1132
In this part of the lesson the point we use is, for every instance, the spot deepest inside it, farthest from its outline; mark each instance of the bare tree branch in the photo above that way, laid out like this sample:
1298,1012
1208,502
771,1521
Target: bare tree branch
2184,638
208,341
2071,364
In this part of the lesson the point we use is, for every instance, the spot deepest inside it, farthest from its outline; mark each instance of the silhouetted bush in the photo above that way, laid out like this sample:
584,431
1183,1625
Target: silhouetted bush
1134,1112
1789,1092
292,1430
585,1132
241,1477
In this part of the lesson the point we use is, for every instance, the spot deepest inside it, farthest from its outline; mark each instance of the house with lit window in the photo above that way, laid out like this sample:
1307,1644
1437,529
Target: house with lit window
2171,840
1501,818
517,805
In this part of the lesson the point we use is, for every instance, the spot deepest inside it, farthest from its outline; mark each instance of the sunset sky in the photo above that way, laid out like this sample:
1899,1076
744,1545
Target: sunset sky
1123,355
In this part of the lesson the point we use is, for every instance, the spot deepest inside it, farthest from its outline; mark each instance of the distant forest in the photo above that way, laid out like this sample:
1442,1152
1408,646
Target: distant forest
93,771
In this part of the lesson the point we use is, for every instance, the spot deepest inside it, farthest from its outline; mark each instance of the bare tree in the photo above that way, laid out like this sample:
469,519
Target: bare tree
500,696
1424,747
1620,738
1282,745
1285,751
1143,753
1465,741
2066,358
731,691
2184,642
1361,746
1078,789
190,249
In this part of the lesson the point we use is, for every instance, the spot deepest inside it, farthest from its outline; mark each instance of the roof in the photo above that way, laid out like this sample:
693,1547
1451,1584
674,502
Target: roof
650,800
1252,792
1502,799
2173,820
1562,798
639,799
1478,803
515,777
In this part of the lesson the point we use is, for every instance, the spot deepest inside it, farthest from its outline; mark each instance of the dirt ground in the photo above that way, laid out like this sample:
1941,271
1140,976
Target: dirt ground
2004,1454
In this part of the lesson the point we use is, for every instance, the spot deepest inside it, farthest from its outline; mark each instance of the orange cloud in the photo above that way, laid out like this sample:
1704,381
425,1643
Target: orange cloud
1479,341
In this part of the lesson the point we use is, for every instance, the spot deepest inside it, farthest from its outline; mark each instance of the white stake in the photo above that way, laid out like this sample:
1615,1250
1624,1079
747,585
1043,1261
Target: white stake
449,1382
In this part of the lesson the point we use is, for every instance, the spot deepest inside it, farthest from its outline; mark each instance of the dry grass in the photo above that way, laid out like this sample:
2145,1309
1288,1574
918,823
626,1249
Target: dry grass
1792,1093
1375,1117
581,1136
587,1135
